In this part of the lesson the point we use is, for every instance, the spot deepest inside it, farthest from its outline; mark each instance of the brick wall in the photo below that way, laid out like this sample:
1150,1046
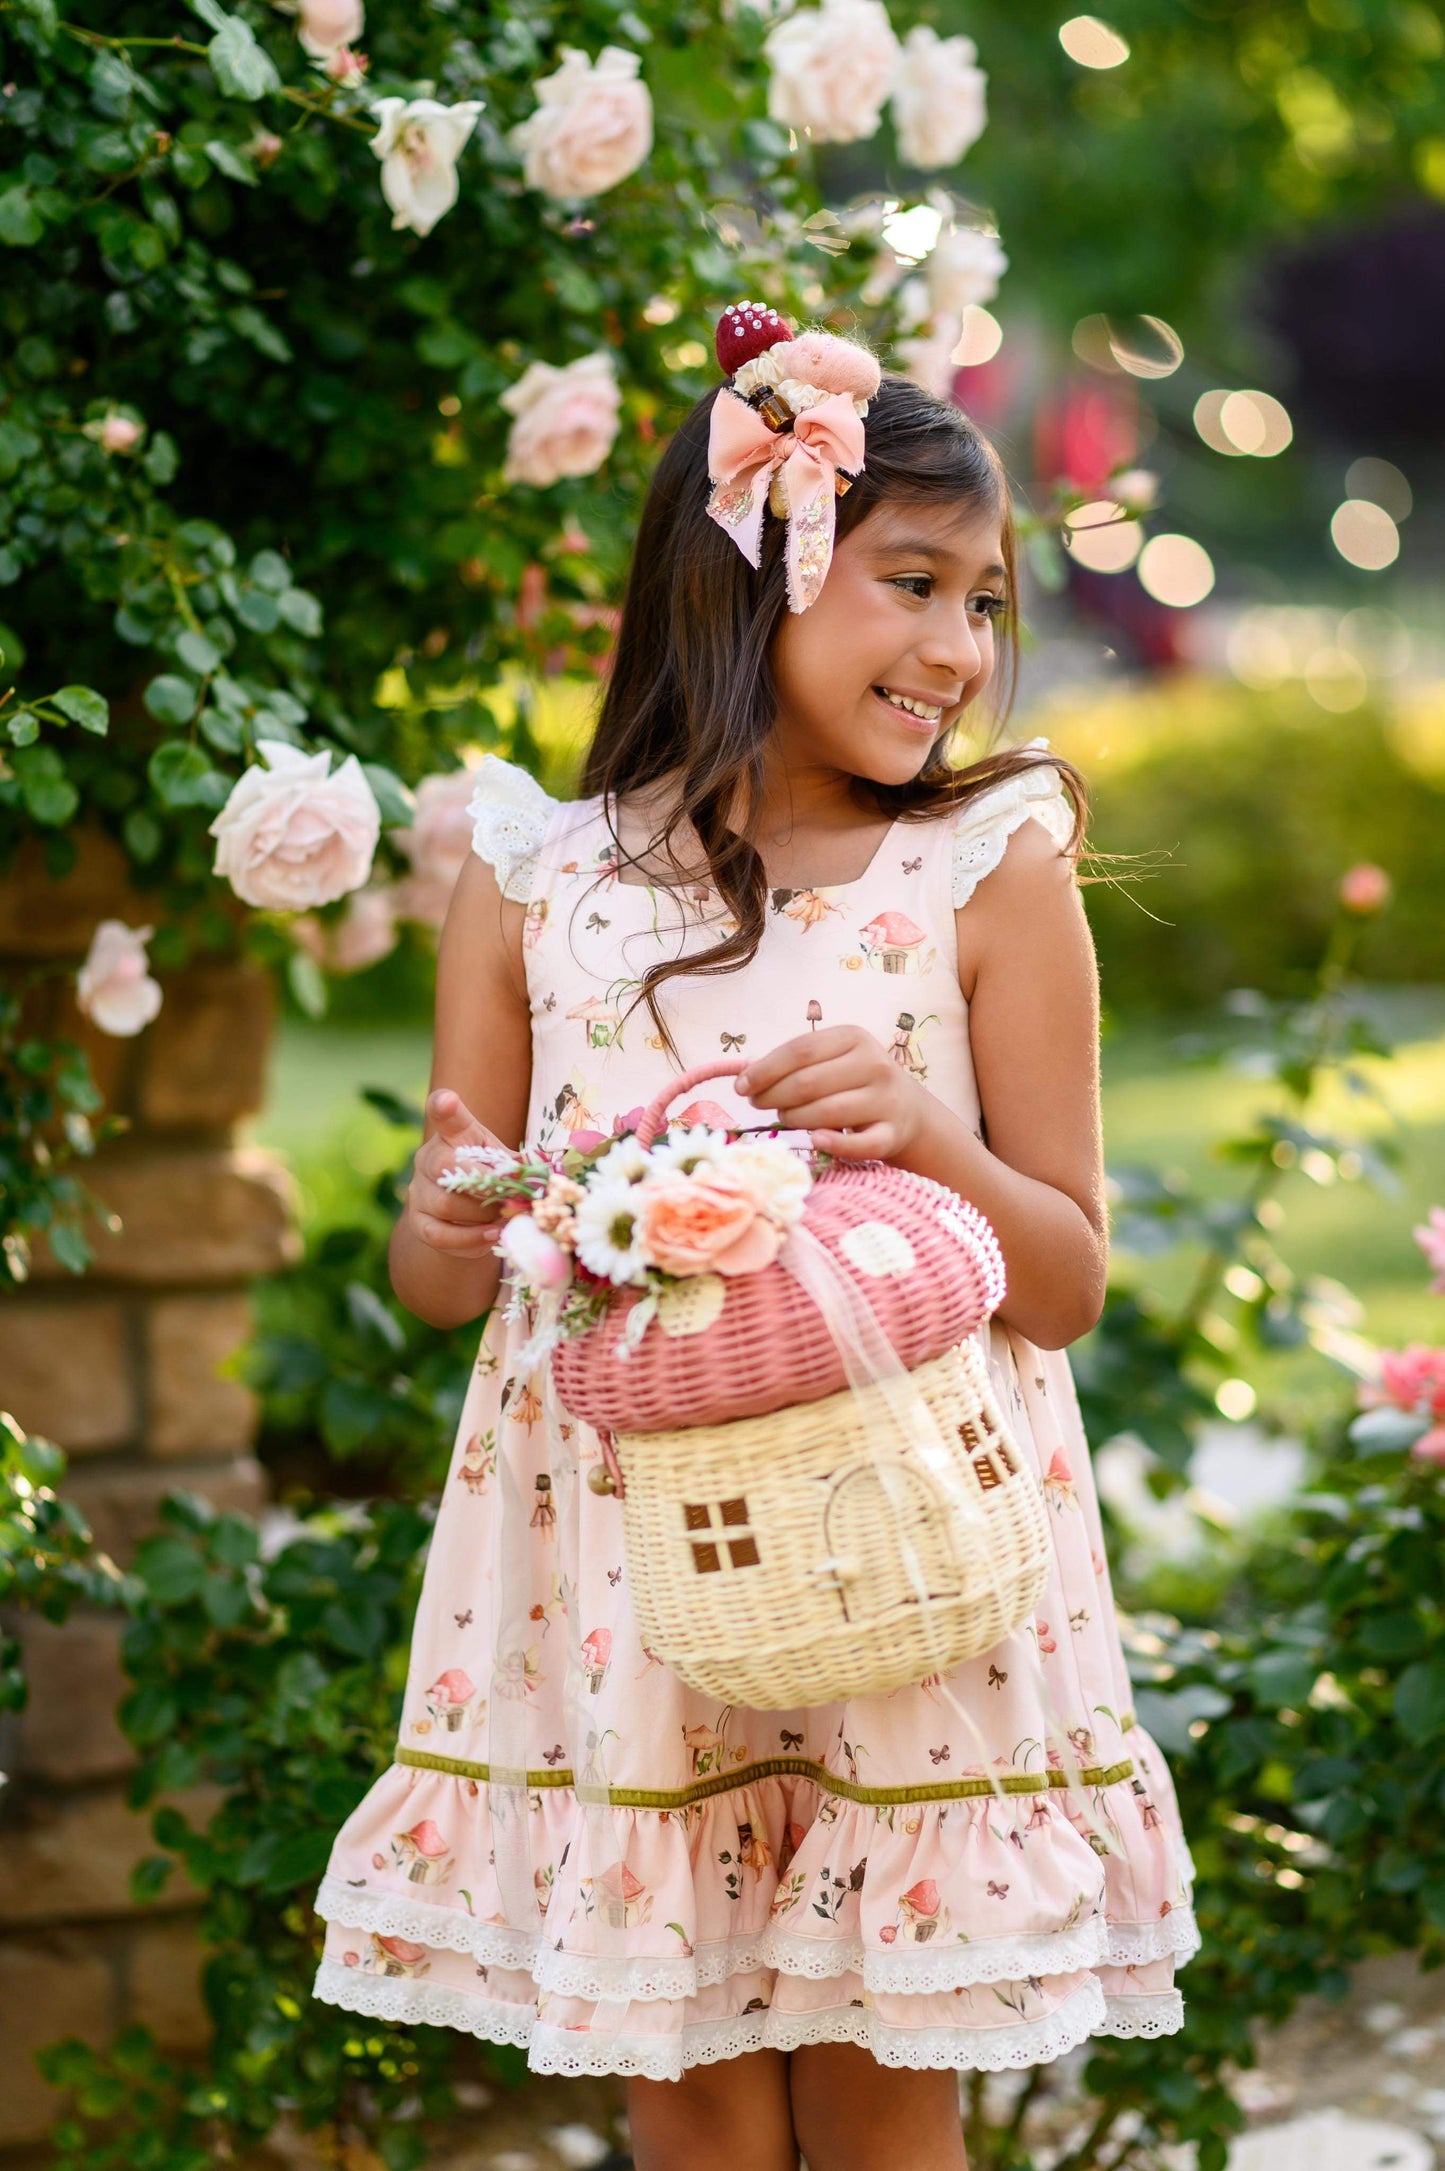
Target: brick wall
121,1370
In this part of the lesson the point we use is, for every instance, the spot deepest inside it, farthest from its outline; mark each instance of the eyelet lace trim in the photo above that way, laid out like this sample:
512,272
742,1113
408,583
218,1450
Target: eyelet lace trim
1162,2014
915,1971
574,2052
446,1929
1174,1937
394,1997
985,824
510,812
646,1978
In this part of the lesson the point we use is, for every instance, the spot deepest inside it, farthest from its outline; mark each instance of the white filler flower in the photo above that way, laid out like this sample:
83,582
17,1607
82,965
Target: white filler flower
419,141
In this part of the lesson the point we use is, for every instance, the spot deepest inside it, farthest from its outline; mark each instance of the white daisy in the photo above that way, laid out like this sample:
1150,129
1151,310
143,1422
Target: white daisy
687,1149
606,1231
626,1162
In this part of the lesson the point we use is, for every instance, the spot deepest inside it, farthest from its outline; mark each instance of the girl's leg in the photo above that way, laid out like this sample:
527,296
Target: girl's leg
852,2114
732,2116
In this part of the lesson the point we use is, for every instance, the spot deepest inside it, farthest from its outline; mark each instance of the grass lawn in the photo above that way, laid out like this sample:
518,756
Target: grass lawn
1158,1109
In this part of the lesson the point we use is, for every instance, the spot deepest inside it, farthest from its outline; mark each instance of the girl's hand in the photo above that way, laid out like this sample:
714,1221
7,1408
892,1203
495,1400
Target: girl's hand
840,1076
448,1220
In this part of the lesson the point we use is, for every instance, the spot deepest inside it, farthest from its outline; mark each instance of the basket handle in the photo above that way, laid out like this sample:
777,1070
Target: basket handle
654,1114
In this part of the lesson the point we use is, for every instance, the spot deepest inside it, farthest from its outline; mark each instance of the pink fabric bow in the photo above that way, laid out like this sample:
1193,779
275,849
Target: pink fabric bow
743,455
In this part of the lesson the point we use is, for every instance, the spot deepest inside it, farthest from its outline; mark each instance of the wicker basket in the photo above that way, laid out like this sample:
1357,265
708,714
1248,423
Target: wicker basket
722,1347
800,1558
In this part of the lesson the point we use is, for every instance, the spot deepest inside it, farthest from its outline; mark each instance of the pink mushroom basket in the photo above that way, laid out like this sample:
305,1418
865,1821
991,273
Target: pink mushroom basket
820,1495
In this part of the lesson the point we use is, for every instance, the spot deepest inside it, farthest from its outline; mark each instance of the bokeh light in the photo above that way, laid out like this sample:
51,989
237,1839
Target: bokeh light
1364,534
1379,639
1176,570
912,231
979,338
1143,346
1092,43
1382,483
1099,537
1335,679
1240,423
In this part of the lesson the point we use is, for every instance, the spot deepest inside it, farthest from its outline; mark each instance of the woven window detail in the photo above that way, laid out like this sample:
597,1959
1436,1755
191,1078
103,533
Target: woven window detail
730,1542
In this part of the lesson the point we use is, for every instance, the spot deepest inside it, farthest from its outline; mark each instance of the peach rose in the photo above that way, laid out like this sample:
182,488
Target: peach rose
293,835
708,1224
565,421
592,126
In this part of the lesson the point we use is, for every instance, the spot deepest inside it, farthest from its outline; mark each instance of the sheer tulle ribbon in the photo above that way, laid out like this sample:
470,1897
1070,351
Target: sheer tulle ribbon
743,456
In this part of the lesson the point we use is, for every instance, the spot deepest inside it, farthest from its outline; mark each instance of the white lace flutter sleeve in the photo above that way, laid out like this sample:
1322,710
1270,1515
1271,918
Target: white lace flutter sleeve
985,824
510,812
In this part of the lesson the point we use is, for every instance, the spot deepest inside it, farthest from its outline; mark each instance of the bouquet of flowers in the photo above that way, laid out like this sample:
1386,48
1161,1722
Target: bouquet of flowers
625,1215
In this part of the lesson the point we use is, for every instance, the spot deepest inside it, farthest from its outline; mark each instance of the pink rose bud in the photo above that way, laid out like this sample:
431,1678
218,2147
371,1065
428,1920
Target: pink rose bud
1365,889
346,66
119,434
264,147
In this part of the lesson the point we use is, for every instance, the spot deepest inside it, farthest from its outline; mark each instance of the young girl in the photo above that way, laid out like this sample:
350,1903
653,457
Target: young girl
791,1930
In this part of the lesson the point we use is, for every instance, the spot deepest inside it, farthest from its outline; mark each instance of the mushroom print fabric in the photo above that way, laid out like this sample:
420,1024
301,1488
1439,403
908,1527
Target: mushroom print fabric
575,1852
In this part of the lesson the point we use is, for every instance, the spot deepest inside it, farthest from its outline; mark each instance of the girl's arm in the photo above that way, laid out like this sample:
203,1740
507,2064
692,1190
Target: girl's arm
1026,966
443,1265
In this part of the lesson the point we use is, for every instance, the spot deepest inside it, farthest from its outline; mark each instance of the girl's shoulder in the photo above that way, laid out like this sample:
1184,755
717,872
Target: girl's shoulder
980,829
510,815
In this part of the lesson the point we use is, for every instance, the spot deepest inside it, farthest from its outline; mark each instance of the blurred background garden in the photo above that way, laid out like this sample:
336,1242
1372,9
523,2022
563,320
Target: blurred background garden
338,344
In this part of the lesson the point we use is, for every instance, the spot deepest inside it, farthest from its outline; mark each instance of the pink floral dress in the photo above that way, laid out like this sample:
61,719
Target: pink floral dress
574,1851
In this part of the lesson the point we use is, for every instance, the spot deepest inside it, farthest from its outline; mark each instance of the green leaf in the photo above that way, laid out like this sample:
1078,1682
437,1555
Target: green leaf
70,1247
180,774
161,459
142,834
20,223
171,699
302,612
1284,1678
84,707
268,569
241,67
225,732
1420,1699
50,800
227,160
171,1568
307,983
197,653
258,610
24,728
390,794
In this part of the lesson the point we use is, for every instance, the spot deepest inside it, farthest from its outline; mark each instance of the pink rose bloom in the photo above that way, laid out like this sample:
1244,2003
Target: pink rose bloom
706,1224
592,126
114,987
294,835
1430,1237
565,421
119,434
1364,889
1411,1379
1430,1447
326,25
832,69
364,935
437,844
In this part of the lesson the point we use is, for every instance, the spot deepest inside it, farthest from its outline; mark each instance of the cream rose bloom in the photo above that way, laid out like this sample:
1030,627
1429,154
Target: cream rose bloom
592,126
939,107
438,845
963,267
419,142
292,836
326,25
114,987
832,69
778,1179
566,420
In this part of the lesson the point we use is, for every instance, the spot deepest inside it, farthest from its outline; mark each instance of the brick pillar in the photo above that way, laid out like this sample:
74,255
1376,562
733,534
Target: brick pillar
120,1369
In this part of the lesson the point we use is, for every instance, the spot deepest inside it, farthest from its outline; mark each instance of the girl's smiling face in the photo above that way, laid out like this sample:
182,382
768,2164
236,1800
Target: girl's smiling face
897,645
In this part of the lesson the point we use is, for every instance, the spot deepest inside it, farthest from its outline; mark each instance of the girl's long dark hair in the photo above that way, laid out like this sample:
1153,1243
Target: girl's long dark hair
691,686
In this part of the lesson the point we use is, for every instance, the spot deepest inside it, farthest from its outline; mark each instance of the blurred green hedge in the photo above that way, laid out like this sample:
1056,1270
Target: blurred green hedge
1260,800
